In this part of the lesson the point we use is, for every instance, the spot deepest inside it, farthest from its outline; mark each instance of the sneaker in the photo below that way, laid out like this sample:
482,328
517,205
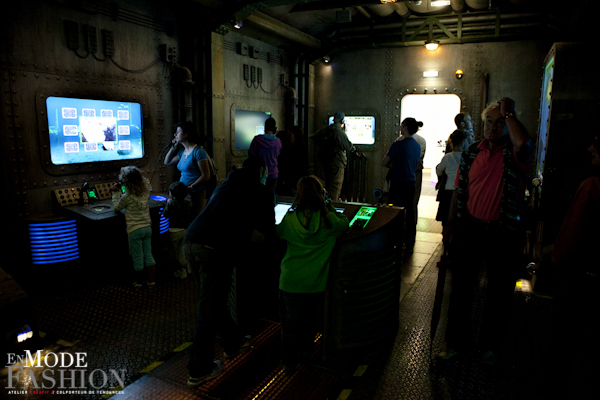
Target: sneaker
447,354
151,285
245,346
216,371
137,284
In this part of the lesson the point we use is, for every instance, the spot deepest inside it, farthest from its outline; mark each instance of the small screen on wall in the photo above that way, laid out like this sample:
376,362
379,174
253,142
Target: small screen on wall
247,125
360,129
85,130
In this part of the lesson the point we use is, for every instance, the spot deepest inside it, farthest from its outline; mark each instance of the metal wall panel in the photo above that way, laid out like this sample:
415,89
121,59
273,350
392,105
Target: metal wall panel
379,78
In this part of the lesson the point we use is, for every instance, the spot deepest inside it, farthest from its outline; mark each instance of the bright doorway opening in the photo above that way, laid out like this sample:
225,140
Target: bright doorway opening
437,112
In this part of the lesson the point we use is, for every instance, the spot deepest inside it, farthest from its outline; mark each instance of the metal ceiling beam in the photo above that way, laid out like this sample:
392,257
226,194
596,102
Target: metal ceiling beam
451,28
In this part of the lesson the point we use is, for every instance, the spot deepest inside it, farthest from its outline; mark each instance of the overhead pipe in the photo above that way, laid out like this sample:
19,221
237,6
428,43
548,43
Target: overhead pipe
278,28
477,4
381,10
471,29
457,5
401,9
364,12
449,20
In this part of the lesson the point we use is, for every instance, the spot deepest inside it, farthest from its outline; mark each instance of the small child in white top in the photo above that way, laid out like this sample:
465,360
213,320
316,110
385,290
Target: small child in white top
137,217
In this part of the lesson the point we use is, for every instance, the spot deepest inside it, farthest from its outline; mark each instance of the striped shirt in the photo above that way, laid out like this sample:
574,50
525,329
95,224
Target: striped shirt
137,210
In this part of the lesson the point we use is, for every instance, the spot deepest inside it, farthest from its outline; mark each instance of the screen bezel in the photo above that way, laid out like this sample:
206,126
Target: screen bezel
87,167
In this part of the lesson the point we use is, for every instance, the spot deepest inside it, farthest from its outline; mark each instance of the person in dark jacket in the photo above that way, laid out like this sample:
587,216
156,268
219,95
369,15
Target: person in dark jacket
214,243
333,147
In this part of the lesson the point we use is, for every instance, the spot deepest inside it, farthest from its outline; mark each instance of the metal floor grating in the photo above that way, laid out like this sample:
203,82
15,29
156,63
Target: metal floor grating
407,368
145,332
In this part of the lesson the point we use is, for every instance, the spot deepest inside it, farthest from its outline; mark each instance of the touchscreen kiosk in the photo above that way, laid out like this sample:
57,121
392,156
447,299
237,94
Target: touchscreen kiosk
362,217
282,208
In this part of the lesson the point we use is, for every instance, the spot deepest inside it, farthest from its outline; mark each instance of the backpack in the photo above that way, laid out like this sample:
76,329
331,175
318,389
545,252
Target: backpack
211,185
214,179
328,144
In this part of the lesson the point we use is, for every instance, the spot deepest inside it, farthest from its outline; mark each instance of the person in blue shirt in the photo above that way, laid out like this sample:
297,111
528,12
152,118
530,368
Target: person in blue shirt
402,159
192,161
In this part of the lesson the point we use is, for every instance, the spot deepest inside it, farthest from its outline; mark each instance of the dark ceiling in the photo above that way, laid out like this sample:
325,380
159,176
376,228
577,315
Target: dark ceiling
322,25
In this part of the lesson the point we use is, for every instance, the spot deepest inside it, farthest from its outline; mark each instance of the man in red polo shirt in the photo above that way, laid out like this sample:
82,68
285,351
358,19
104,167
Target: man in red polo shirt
485,228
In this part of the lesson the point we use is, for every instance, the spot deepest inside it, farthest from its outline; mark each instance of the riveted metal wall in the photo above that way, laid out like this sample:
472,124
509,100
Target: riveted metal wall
379,78
38,60
265,90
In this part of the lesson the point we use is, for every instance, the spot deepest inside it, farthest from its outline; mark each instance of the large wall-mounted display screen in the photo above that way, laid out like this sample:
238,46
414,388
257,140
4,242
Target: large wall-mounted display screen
247,125
546,99
359,128
85,130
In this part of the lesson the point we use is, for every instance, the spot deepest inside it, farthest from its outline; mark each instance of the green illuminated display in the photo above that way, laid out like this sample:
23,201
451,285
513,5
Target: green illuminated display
362,217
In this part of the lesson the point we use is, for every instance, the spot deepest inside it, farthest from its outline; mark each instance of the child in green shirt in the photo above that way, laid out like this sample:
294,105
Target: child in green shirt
310,230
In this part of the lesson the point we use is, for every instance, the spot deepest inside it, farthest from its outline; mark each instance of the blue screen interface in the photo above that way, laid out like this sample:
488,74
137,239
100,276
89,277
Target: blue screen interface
83,130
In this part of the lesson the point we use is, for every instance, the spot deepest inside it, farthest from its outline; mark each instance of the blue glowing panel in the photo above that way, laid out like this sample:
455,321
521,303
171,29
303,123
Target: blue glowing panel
163,222
83,130
53,242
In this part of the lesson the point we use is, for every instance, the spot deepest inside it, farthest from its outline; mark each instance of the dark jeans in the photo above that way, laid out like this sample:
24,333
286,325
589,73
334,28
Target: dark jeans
403,195
213,270
475,244
299,324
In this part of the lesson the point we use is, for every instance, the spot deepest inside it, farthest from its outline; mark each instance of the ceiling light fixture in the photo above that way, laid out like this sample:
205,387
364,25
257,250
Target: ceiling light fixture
440,3
432,45
388,1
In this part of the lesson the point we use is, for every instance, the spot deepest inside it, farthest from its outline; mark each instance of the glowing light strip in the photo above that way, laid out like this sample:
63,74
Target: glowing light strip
50,228
42,245
268,384
64,236
53,242
55,261
66,240
163,222
55,252
53,223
